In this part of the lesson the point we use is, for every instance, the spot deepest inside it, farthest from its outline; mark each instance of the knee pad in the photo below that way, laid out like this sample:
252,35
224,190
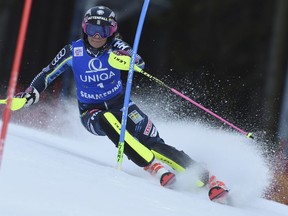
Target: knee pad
133,149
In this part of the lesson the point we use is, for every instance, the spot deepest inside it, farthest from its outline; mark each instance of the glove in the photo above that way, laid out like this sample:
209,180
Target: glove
138,61
122,52
31,94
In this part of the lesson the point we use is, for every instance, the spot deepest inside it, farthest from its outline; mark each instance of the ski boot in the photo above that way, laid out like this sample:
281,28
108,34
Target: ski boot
158,170
218,191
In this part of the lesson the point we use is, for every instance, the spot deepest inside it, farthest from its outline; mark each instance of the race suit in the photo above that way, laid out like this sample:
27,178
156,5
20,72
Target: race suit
100,96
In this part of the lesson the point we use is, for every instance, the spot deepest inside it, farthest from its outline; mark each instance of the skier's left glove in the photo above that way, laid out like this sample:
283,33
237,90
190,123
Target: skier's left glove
31,94
138,61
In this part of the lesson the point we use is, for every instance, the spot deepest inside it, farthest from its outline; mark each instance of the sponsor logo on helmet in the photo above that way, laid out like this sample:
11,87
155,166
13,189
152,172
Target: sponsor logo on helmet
97,18
100,12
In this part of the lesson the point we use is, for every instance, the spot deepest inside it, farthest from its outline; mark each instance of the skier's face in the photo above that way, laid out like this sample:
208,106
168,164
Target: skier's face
97,34
97,41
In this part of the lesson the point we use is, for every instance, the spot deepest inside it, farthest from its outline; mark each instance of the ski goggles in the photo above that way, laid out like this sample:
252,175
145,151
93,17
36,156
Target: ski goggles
91,30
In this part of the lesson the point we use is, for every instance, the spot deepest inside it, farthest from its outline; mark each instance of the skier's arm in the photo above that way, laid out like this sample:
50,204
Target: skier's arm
59,64
124,49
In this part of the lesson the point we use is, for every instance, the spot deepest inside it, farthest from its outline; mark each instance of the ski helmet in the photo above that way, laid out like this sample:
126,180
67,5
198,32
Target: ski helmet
99,20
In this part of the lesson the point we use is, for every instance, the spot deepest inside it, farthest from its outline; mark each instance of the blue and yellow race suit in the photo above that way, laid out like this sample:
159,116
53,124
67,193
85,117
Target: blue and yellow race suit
100,98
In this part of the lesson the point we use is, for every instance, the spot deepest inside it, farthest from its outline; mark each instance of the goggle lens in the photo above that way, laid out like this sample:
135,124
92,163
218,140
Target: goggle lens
91,30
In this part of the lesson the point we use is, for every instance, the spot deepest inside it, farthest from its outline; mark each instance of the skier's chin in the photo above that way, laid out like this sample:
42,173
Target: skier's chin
97,42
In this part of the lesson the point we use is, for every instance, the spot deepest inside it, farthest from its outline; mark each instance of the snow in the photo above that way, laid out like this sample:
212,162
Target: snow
73,173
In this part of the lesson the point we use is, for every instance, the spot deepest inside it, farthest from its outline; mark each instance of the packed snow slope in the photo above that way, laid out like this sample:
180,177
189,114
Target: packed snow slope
72,173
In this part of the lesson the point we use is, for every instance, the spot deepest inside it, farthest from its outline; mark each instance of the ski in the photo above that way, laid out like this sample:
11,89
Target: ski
219,195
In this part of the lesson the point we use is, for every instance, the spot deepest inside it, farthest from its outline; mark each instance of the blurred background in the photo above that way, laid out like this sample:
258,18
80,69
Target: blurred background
228,55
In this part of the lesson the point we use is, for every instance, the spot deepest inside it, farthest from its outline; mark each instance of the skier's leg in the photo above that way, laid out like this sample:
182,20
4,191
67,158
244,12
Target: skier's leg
179,161
136,151
146,132
103,123
90,120
140,150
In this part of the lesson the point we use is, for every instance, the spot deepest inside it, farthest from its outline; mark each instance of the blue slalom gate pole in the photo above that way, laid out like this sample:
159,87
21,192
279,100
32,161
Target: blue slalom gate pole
129,84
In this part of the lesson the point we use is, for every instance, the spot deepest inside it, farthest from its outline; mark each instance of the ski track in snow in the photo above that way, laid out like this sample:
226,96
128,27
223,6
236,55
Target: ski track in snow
75,174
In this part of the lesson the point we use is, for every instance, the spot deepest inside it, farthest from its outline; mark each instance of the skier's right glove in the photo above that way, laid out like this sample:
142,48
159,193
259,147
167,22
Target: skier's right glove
31,94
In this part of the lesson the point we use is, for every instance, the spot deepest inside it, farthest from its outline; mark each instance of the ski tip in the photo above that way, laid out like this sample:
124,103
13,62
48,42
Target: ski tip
218,194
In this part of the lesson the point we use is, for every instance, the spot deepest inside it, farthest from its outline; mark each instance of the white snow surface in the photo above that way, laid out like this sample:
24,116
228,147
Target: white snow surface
73,173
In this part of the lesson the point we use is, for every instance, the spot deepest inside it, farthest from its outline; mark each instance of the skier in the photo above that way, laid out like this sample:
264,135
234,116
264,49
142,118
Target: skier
100,95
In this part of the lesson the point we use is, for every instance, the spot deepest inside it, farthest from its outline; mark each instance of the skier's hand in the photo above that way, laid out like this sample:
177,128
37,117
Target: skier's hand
122,52
138,61
31,94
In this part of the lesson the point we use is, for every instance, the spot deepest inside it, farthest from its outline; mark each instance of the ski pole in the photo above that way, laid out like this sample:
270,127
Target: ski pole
16,103
129,84
122,63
